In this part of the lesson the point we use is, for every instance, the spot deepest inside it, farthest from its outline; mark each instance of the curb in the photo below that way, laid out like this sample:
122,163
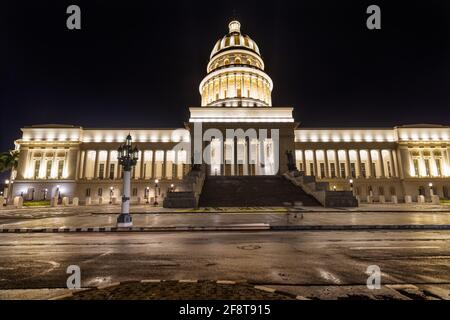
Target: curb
255,227
223,282
362,227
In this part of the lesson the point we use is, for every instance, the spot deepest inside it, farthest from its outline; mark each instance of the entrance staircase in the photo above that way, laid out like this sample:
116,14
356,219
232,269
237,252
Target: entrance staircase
252,191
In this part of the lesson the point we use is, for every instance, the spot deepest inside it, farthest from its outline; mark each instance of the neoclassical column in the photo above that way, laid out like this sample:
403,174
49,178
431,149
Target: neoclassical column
337,169
347,162
358,163
153,164
369,160
247,156
304,161
96,165
380,158
393,163
315,163
108,161
261,153
85,163
234,164
142,173
325,157
222,155
164,165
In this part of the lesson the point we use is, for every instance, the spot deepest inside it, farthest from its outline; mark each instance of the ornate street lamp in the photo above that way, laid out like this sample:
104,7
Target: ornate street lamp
111,193
127,157
45,194
431,189
147,193
172,187
156,192
351,185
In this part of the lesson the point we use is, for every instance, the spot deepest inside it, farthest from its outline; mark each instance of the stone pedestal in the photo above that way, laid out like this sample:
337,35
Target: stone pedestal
408,199
381,199
435,199
88,201
114,200
65,201
75,202
100,200
18,202
54,202
394,199
369,199
2,202
420,199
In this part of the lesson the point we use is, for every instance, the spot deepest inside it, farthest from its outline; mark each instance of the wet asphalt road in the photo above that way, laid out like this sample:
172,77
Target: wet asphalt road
302,258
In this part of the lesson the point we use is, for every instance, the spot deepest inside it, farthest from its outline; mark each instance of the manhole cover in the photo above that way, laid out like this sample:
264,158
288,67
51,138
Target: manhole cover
249,247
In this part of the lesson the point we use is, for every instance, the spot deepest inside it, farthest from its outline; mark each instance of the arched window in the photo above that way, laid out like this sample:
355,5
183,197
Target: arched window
237,60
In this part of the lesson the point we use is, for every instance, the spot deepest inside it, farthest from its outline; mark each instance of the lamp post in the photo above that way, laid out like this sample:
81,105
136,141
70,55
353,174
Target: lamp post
127,157
156,192
147,193
45,194
58,193
431,189
111,193
172,187
6,191
351,185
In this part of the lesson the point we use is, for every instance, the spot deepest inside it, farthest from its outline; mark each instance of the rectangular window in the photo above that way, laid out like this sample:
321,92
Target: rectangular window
88,192
342,165
100,192
101,170
333,170
111,171
322,170
352,169
135,192
389,168
60,168
48,170
37,167
374,169
363,170
311,169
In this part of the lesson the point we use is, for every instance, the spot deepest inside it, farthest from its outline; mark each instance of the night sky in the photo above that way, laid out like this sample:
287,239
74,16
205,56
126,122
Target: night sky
139,63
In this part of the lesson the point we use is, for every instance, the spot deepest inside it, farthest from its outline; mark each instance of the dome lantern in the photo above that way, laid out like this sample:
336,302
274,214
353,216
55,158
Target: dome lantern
234,26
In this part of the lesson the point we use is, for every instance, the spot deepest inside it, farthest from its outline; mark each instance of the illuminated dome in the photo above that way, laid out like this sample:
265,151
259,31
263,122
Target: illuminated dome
236,76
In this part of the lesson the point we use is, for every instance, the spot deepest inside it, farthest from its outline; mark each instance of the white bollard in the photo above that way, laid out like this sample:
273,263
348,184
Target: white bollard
408,199
100,200
88,201
394,199
435,199
381,199
75,202
18,202
65,201
369,199
420,199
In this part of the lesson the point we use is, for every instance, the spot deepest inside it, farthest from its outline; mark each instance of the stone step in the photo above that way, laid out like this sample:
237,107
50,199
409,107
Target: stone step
236,191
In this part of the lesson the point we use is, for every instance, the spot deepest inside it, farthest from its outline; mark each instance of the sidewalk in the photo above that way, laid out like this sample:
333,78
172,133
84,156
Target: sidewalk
336,220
